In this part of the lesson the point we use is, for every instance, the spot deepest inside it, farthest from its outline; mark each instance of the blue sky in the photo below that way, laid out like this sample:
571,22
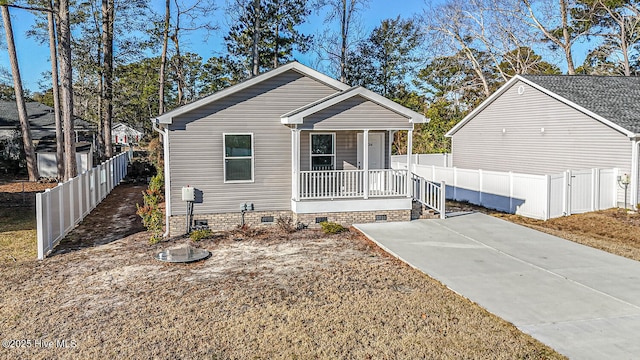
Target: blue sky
34,57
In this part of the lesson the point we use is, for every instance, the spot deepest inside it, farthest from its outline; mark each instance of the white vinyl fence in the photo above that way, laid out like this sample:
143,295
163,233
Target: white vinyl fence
59,209
444,159
535,196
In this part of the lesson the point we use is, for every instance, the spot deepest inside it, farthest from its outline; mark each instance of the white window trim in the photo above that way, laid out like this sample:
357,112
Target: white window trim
224,159
333,149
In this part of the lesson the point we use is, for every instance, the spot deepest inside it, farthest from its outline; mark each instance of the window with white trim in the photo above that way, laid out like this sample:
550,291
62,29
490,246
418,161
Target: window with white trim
238,157
323,151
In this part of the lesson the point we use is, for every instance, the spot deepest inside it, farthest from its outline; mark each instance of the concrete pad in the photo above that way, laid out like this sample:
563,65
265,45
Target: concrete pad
583,302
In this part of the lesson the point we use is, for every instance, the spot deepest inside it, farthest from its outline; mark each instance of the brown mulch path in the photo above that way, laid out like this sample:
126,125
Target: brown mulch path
114,218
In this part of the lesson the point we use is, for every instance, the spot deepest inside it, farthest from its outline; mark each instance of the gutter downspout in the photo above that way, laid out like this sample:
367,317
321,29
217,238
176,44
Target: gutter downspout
167,180
635,158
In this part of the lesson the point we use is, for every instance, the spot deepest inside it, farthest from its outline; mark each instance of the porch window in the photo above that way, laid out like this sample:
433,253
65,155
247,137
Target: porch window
238,157
323,151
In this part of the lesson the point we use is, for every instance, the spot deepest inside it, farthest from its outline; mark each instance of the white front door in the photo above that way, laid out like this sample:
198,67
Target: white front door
376,151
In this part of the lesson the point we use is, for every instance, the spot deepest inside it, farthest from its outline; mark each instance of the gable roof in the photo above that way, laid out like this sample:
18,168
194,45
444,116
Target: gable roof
41,118
297,116
167,118
612,100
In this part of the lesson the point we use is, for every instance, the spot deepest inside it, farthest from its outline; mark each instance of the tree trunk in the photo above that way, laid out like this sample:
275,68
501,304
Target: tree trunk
30,154
571,70
256,38
55,88
66,75
344,32
275,46
107,52
179,69
163,57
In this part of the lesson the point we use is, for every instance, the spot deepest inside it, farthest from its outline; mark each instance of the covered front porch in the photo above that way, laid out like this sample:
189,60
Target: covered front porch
337,166
341,153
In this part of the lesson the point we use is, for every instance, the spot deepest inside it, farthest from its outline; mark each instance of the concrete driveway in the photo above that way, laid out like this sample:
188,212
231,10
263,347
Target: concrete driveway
585,303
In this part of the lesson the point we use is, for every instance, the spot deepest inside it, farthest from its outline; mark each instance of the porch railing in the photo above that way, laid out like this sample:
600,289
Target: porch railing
332,184
430,194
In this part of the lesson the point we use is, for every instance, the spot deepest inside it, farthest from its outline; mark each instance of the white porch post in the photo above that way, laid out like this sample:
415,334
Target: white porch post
365,162
409,161
295,164
634,173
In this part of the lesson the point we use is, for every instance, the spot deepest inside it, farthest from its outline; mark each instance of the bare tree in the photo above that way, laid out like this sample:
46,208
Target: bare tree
452,27
66,75
618,22
336,47
553,19
188,18
23,117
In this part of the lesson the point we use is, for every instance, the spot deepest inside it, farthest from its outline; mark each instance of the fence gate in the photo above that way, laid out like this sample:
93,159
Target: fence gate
581,187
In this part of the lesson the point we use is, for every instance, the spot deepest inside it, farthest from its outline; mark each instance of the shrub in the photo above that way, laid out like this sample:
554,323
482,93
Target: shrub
329,227
285,224
150,212
197,235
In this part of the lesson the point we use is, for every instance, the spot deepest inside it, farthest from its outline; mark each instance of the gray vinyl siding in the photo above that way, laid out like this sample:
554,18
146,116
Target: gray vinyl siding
346,149
356,113
196,148
571,139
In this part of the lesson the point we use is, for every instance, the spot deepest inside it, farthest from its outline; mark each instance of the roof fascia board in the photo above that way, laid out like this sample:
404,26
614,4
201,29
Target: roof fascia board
167,118
550,93
297,116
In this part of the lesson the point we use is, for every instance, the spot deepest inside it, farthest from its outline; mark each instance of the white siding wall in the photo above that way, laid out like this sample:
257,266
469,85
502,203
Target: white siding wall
196,153
570,140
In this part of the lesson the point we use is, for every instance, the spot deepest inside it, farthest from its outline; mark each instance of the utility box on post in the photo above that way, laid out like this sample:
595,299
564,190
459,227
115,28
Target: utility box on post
188,194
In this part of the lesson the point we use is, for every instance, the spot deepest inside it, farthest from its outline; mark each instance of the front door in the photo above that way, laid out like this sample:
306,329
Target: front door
376,151
376,159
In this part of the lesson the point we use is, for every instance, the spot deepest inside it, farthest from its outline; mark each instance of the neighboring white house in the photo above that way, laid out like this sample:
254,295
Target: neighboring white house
547,124
125,134
290,142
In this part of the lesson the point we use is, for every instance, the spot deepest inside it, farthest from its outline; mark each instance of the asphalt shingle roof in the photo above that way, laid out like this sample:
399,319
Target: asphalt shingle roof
41,118
615,98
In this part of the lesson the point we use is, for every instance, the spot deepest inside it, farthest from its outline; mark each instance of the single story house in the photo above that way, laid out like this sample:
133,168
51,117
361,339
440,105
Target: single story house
291,142
41,120
547,124
43,130
124,134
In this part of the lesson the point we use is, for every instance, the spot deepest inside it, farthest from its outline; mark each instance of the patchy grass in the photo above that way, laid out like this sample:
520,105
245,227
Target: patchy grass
304,295
17,234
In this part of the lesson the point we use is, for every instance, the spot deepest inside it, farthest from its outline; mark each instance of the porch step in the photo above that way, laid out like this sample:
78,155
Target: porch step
419,211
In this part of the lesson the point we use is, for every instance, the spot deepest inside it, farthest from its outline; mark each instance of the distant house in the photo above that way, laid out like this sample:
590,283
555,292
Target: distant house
548,124
43,130
291,142
124,134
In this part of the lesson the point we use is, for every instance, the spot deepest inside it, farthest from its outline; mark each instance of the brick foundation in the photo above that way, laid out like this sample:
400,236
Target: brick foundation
228,221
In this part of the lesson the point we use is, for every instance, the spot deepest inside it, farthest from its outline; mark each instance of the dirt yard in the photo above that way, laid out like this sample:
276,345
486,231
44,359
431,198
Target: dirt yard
270,295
